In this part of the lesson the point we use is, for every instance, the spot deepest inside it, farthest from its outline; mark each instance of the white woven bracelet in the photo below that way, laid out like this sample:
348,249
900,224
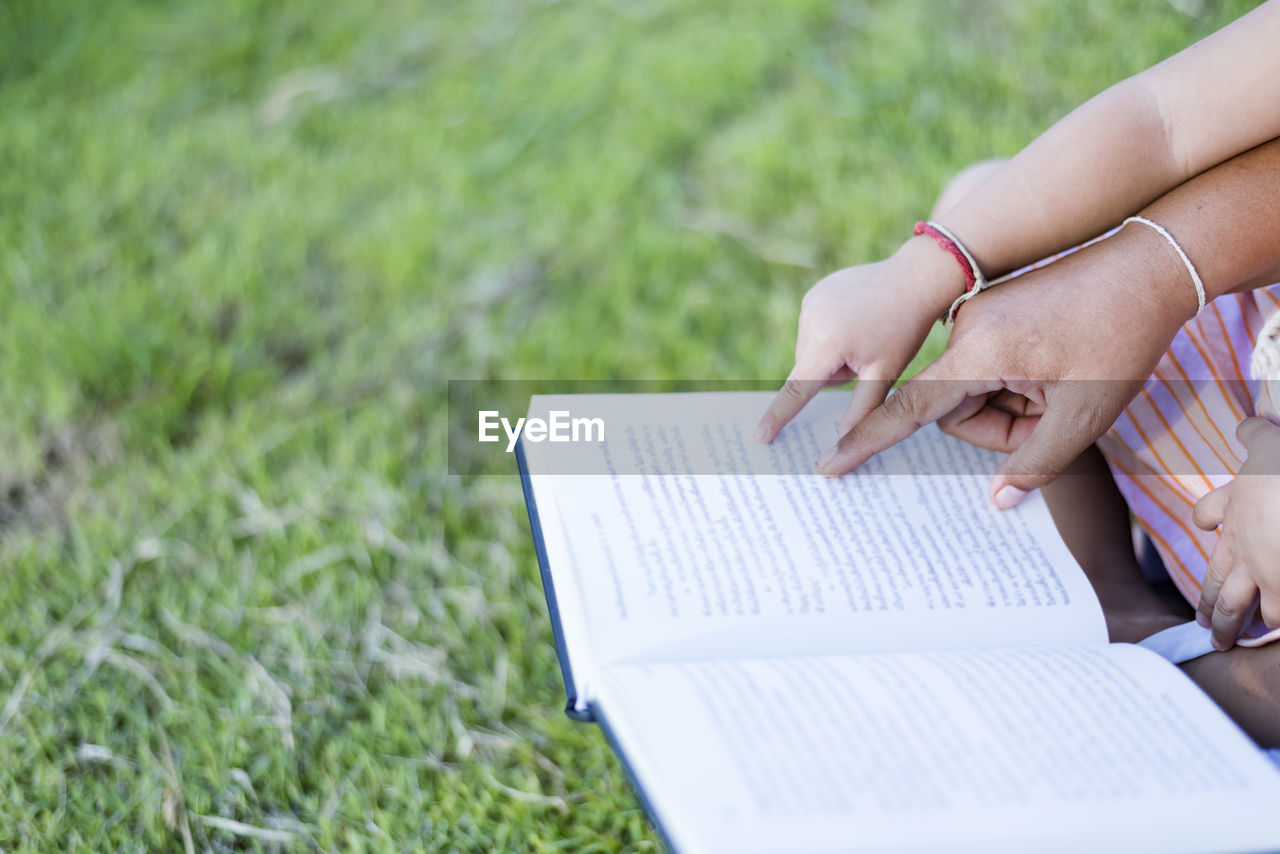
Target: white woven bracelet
1191,268
980,282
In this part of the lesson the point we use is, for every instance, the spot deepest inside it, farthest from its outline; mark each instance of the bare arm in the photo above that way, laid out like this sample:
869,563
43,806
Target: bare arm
1080,336
1228,221
1108,159
1127,147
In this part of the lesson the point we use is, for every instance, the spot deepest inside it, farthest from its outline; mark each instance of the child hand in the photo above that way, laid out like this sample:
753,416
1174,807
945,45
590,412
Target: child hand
1244,569
865,322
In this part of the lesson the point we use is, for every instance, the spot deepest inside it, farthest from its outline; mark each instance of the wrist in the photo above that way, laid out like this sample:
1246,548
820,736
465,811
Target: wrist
928,274
1155,273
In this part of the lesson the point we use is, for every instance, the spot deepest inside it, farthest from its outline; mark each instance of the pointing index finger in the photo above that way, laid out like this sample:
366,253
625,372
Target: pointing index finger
922,400
798,390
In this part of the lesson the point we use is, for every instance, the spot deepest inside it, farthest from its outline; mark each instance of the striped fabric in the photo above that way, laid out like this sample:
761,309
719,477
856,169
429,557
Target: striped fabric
1176,441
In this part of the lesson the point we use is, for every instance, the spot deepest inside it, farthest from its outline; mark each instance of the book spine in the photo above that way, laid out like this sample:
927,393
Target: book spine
573,707
598,716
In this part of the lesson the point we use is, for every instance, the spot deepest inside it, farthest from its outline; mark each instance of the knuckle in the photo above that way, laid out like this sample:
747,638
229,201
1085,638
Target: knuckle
1225,608
1220,563
793,389
1212,573
1035,468
902,403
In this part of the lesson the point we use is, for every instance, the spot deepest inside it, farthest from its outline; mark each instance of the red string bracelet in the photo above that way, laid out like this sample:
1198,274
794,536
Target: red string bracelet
950,245
974,281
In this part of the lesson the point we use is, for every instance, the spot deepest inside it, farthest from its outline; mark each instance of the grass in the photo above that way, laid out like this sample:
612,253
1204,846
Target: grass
243,245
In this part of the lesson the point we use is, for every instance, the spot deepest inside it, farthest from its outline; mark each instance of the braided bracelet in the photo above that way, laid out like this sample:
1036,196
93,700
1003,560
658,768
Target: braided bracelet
1191,268
974,282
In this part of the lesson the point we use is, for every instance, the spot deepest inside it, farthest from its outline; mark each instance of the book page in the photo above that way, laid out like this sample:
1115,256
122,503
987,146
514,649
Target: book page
694,541
1045,748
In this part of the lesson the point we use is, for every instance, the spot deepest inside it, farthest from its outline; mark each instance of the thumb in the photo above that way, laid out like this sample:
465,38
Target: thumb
1211,508
923,399
1054,443
1254,432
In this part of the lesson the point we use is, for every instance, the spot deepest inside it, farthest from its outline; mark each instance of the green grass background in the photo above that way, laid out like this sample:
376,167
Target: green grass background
243,245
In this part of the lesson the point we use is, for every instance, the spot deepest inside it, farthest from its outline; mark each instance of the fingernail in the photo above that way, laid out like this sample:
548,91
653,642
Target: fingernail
762,432
1220,646
1202,620
822,461
1008,497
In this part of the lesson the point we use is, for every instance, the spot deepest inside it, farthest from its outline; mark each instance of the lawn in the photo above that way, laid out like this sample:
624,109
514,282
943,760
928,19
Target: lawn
243,246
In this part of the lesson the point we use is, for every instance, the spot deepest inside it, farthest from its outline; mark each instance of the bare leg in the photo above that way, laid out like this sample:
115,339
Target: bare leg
1093,520
1090,512
1246,684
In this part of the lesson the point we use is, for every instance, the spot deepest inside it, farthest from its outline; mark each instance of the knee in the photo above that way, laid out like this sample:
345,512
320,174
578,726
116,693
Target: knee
963,183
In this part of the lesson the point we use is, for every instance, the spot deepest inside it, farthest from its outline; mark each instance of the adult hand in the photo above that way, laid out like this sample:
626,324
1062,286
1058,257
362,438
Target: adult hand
1041,366
866,322
1244,570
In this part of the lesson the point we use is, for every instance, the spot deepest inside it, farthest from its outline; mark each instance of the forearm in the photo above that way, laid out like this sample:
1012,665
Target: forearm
1124,149
1099,164
1227,220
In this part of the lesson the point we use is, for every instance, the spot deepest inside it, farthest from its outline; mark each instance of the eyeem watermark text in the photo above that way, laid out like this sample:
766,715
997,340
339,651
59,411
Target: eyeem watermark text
558,426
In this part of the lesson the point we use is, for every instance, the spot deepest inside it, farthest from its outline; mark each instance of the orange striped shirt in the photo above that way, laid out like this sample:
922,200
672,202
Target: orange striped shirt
1176,441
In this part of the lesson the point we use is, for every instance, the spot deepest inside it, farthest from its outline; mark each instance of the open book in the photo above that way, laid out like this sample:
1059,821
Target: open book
882,662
